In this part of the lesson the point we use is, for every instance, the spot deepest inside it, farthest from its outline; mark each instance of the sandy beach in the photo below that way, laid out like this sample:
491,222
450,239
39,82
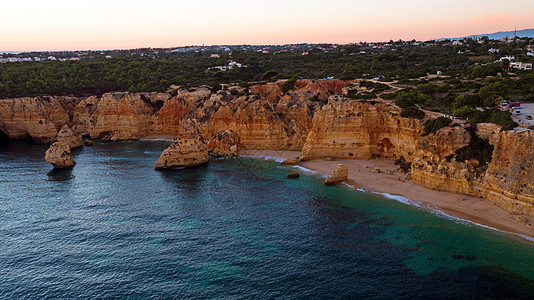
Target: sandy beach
362,175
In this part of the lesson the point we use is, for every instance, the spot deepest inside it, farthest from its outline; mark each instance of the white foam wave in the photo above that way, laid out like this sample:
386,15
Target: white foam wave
156,140
264,157
435,210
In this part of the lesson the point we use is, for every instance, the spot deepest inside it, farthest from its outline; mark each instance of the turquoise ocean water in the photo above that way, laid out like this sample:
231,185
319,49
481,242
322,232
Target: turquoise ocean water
113,227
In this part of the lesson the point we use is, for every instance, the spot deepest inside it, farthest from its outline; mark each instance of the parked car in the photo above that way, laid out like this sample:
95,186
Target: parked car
514,105
517,112
504,103
528,117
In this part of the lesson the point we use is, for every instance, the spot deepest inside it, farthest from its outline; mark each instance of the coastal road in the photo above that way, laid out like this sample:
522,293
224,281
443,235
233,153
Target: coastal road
526,109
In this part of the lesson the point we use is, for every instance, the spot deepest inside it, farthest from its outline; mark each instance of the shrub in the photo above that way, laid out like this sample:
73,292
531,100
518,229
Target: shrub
432,126
479,149
493,115
404,165
463,111
289,84
412,112
269,75
216,87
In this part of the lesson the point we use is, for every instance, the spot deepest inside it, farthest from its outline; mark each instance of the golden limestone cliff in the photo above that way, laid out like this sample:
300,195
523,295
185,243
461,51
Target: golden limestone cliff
508,181
360,130
119,116
224,144
37,119
262,116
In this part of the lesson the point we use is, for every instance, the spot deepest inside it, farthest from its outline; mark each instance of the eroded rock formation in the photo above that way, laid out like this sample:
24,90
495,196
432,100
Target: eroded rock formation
361,130
188,150
59,156
224,144
339,174
68,137
507,181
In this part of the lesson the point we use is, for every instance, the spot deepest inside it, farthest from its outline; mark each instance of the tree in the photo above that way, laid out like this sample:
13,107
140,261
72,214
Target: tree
478,72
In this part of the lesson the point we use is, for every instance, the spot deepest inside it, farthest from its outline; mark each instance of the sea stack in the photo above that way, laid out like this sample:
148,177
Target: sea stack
339,174
67,136
224,144
188,150
59,156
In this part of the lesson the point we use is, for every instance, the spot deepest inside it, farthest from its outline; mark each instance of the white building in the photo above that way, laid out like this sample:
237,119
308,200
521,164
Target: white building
509,58
521,66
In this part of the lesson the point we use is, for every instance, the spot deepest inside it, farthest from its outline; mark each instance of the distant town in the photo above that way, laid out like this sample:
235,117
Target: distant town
220,51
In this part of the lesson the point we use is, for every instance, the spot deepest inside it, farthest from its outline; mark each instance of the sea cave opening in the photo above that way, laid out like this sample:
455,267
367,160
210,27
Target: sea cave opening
3,137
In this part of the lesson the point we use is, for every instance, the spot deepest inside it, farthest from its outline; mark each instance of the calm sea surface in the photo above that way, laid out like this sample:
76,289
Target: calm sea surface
114,227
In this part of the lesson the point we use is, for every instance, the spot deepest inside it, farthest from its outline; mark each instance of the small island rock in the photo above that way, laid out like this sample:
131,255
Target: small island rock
188,150
59,156
339,174
88,143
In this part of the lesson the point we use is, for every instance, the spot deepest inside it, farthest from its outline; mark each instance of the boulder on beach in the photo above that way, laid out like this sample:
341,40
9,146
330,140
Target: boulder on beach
67,136
339,174
59,156
224,144
290,162
188,150
293,175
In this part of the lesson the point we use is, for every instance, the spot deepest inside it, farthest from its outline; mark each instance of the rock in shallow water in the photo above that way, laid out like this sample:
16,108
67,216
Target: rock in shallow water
293,175
59,156
188,150
339,174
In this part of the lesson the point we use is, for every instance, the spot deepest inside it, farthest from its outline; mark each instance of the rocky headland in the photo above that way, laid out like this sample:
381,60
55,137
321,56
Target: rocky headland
315,118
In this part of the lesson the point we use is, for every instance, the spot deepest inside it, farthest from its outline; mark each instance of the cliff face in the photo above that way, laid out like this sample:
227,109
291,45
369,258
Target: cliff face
37,119
361,130
508,181
262,117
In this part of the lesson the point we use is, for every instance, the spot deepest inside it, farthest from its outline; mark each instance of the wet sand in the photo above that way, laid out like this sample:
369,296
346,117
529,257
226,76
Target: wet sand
362,175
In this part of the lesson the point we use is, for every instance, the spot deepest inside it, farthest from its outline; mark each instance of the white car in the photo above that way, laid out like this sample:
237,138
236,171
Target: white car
517,112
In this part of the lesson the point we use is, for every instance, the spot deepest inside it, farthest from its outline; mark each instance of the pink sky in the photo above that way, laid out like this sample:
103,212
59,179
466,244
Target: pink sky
98,24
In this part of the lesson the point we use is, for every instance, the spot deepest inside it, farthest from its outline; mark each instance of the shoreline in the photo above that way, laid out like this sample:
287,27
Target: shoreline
461,207
160,137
